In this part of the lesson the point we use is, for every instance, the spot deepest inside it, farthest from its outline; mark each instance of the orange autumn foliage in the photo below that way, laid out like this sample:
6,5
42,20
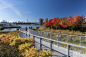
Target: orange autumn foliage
50,22
56,22
45,23
65,22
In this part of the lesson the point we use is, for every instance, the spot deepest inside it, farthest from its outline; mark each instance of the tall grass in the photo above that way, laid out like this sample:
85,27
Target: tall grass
71,39
62,31
14,33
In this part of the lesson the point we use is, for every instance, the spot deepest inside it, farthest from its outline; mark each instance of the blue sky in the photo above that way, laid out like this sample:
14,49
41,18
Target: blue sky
21,10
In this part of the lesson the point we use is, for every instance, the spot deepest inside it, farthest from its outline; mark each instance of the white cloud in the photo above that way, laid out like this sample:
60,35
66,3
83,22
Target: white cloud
10,5
4,7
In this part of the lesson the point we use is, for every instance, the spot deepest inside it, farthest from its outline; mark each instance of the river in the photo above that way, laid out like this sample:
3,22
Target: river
23,26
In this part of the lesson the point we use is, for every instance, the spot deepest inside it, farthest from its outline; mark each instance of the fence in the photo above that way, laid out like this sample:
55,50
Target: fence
70,42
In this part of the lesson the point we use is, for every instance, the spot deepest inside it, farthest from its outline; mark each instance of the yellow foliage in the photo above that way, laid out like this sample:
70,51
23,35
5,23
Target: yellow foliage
33,52
24,45
5,38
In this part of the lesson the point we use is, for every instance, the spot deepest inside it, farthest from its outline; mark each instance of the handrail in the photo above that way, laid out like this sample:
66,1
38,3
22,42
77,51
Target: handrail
36,34
58,33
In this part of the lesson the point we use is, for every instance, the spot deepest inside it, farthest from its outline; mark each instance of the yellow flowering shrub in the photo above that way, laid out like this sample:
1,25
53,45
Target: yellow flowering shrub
33,52
24,45
18,41
5,38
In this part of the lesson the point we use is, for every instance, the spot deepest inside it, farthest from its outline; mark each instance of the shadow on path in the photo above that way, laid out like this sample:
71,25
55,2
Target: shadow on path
56,53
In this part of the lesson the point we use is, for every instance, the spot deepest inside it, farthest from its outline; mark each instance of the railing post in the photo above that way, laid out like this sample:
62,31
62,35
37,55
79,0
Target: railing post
68,50
22,34
19,33
29,35
50,42
58,40
41,42
26,34
45,35
68,46
34,41
34,32
38,33
30,32
80,45
67,41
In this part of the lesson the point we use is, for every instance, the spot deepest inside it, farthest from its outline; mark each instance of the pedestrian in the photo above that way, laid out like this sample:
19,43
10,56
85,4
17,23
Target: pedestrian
25,28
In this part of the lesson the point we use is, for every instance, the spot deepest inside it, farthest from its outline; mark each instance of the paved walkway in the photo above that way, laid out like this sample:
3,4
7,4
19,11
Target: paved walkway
57,51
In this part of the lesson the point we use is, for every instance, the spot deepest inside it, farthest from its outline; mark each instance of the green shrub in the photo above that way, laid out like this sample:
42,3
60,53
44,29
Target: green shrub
33,29
38,30
1,24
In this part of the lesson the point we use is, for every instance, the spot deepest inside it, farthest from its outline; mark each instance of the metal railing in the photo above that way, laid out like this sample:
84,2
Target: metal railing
55,37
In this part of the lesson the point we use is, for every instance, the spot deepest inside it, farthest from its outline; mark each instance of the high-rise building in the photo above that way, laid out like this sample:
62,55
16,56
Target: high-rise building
40,21
46,19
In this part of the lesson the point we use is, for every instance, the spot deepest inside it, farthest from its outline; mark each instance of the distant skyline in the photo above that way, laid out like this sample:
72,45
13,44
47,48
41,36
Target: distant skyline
19,10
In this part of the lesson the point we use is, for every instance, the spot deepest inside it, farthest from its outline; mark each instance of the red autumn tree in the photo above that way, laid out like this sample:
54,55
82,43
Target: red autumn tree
63,24
50,23
45,23
56,22
69,22
77,20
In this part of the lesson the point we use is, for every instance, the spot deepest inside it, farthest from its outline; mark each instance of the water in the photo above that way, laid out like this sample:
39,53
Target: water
10,29
23,26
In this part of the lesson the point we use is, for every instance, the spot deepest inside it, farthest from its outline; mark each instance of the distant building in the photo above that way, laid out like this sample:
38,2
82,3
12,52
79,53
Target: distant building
4,23
19,22
40,21
15,22
46,19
